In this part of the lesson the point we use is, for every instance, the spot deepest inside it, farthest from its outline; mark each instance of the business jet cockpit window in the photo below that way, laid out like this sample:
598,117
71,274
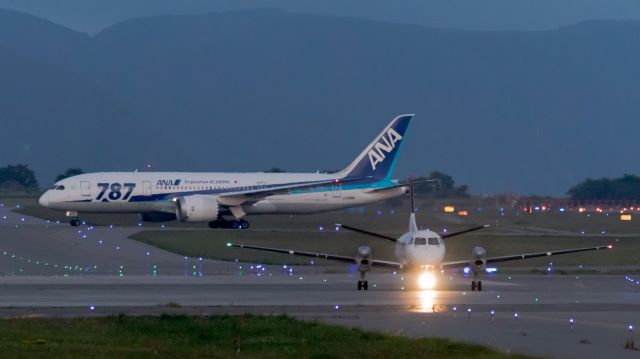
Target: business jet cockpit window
434,241
419,241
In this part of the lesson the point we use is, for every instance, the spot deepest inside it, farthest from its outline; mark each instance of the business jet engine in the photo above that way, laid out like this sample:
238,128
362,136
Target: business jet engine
363,260
197,208
478,264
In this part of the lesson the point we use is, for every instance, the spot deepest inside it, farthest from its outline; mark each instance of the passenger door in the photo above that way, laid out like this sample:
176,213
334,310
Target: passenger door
85,188
146,188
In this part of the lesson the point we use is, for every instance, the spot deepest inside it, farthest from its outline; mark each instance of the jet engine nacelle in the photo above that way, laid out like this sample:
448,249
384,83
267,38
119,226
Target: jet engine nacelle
363,259
478,261
197,208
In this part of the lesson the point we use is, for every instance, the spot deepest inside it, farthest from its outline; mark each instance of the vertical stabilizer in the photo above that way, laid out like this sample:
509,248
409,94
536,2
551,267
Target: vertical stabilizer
378,159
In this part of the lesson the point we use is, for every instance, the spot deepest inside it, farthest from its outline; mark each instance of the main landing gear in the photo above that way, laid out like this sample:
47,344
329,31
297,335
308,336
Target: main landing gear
362,283
74,222
223,223
476,285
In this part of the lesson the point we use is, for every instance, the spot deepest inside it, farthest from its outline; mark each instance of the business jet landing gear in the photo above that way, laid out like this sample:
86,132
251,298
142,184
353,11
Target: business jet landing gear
362,283
74,222
223,223
476,284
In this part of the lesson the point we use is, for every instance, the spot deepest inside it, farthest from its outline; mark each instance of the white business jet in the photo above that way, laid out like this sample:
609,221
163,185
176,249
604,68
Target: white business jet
420,251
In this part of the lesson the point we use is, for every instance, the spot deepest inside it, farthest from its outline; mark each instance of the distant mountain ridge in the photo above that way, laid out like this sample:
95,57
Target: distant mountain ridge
530,112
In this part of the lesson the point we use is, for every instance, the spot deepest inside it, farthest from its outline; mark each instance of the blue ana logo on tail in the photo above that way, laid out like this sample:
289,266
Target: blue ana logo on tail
378,159
377,153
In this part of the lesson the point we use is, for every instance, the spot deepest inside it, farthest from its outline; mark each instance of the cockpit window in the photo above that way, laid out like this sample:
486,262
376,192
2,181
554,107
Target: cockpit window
59,188
434,241
419,241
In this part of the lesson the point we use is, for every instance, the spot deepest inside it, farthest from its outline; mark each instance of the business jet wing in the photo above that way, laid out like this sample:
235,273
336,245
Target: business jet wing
339,258
251,196
449,235
516,257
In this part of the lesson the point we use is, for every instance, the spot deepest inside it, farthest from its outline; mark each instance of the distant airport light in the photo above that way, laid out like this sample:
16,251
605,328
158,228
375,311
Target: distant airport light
463,213
625,217
561,209
582,209
449,209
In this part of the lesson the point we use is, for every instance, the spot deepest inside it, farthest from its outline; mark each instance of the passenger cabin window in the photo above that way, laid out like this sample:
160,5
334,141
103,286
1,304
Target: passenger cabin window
419,241
434,241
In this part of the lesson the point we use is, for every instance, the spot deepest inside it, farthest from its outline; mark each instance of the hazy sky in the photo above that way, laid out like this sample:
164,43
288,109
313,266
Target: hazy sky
93,15
528,112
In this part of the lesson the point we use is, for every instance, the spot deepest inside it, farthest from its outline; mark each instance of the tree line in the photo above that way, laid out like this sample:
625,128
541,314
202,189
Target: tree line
626,187
21,177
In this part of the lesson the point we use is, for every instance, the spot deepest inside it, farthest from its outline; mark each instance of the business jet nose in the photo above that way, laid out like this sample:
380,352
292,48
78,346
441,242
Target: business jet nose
44,199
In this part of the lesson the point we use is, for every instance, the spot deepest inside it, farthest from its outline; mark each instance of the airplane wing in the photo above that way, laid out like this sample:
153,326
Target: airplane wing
369,233
516,257
241,197
347,259
449,235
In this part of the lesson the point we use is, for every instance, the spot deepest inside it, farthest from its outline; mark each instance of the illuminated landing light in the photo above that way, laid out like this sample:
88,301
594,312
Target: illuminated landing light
92,308
427,280
610,246
228,244
466,270
491,270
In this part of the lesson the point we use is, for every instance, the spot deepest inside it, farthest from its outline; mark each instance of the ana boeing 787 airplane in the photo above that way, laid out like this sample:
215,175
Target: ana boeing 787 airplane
210,197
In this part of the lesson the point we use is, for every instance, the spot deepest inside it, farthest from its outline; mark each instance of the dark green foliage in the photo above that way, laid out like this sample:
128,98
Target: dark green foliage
18,176
69,173
443,187
246,336
626,187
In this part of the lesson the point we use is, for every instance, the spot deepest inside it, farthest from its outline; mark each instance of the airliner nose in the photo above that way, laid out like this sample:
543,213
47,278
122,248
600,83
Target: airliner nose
44,199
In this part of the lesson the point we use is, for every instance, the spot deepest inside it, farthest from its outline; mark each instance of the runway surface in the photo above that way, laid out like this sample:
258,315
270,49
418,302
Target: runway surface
56,270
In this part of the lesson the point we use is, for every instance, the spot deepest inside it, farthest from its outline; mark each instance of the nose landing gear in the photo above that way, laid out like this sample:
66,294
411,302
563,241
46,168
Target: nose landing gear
363,283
